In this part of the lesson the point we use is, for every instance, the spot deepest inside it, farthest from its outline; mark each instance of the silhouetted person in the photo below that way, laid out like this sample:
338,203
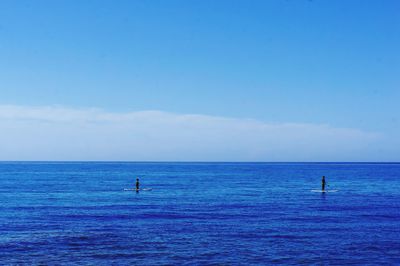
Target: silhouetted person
137,184
323,183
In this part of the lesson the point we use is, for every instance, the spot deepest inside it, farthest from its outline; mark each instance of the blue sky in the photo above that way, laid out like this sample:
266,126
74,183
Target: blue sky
332,63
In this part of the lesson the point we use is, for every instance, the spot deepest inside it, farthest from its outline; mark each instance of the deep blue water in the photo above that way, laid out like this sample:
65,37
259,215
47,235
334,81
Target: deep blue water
199,213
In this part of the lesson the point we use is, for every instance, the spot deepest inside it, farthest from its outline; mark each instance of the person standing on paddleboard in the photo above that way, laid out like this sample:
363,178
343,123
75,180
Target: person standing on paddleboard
323,183
137,183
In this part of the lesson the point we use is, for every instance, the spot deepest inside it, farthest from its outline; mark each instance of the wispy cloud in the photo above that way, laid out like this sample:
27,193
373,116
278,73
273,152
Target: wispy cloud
59,133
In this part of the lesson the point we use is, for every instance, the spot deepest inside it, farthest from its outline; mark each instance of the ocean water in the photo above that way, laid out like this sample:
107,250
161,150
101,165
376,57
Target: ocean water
199,214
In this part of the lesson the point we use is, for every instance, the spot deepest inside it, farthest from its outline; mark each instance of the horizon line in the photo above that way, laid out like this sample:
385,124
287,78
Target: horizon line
210,162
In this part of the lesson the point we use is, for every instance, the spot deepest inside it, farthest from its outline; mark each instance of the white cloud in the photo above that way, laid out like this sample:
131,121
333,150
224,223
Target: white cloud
59,133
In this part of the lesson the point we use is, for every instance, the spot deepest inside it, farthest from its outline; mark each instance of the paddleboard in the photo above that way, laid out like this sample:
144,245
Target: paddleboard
134,189
323,191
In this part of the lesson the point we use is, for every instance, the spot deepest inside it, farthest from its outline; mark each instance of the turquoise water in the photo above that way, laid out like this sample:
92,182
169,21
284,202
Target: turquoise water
199,213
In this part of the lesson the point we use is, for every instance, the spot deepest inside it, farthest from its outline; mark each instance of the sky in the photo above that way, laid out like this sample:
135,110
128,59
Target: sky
276,80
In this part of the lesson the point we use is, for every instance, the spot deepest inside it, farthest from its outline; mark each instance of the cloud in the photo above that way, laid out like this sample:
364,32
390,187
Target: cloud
59,133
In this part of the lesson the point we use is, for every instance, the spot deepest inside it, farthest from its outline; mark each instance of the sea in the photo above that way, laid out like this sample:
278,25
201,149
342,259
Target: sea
78,213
